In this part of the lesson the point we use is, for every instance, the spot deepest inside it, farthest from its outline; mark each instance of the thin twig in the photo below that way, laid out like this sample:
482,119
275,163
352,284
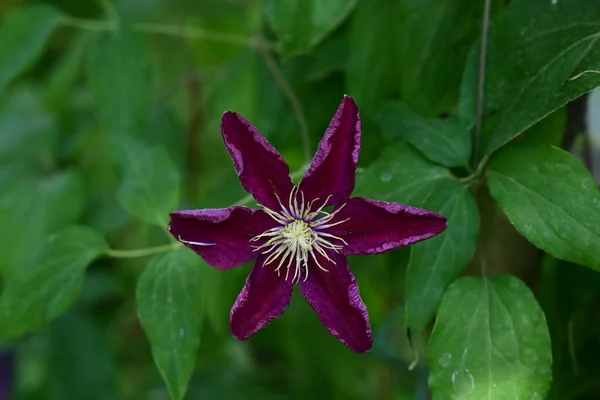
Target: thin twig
292,98
143,252
170,30
485,26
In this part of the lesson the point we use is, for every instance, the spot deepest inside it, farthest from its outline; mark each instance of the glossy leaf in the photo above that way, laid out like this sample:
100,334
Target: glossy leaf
46,288
120,80
33,207
150,189
551,199
490,341
445,141
301,24
170,310
535,54
23,36
402,175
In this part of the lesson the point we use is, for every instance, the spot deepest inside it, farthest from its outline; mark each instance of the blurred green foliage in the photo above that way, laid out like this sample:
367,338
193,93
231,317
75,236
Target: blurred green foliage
109,120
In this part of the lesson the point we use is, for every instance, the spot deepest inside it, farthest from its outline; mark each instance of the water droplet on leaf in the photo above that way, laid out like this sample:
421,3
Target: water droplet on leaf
445,360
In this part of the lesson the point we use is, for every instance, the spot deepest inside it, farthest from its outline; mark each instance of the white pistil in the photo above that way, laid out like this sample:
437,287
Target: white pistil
299,235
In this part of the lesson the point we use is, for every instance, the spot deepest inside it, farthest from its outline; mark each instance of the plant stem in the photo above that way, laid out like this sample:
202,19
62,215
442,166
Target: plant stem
170,30
481,84
292,98
143,252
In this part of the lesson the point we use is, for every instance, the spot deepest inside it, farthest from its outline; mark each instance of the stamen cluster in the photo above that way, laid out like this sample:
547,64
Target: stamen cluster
301,234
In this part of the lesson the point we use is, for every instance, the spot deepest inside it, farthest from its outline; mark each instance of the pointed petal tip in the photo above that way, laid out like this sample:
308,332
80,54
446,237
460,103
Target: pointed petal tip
228,115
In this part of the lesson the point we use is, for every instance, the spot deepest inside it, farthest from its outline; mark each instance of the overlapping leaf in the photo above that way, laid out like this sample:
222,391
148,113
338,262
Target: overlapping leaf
490,341
402,175
551,199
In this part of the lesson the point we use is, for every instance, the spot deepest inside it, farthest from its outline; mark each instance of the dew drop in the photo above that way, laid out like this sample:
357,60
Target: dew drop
181,332
536,396
445,360
514,283
544,369
386,177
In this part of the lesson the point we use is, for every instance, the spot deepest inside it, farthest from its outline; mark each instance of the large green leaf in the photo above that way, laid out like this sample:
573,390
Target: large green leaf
402,175
490,341
23,35
301,24
551,199
150,188
445,141
435,39
170,310
532,54
120,80
30,209
45,288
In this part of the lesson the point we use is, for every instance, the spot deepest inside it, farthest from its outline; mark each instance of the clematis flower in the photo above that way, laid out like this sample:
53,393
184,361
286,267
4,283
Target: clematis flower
292,238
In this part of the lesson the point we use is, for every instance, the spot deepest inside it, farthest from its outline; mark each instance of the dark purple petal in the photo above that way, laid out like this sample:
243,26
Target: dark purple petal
375,227
261,169
335,298
265,297
334,166
220,236
7,374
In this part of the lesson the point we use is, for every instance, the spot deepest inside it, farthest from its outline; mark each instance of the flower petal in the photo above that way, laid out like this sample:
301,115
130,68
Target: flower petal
333,169
261,169
375,227
335,297
265,297
220,236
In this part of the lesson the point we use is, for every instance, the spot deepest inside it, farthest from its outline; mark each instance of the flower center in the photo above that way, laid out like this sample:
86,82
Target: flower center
300,235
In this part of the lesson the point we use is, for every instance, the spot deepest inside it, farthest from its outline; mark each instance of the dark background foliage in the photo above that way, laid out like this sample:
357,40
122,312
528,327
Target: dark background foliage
109,120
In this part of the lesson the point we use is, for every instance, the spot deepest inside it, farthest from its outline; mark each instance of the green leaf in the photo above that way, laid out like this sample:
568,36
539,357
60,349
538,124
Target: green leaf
533,53
330,56
402,175
301,24
30,209
435,39
445,141
551,199
64,76
150,189
374,29
28,130
490,341
550,130
170,310
120,80
44,289
23,35
83,366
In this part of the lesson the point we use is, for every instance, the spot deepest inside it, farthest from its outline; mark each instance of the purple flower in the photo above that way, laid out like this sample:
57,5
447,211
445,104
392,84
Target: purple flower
292,238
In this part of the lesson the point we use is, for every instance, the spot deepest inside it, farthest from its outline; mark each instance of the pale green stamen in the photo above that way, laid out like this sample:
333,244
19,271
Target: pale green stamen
299,235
